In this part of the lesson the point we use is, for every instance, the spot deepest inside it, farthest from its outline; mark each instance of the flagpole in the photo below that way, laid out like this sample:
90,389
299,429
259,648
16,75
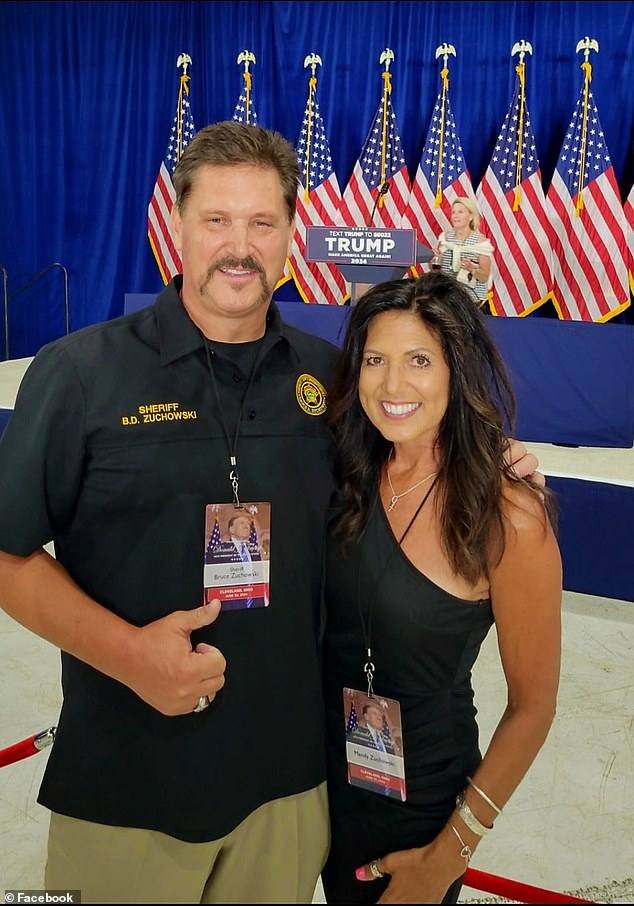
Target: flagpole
586,44
386,57
246,57
517,195
184,60
444,50
523,47
311,60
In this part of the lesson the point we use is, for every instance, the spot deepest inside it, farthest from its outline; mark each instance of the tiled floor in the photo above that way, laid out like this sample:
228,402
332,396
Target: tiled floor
568,828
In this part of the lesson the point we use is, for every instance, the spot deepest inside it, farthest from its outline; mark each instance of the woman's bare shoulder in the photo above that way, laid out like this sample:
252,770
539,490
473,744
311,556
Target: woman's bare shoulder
523,507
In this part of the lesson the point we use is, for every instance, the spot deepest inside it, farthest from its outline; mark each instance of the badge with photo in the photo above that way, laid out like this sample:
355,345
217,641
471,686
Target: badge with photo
374,743
236,558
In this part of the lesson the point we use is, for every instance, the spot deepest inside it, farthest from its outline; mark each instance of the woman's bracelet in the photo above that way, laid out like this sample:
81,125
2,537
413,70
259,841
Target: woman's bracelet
466,851
469,818
484,796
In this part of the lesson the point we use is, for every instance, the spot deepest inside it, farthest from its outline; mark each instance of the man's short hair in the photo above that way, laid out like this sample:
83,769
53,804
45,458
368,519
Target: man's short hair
237,516
228,142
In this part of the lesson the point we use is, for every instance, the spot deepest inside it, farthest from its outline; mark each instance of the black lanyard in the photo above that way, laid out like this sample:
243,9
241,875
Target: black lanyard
366,626
232,447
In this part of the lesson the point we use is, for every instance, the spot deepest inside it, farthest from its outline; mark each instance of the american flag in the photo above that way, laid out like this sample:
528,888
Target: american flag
385,730
162,201
318,201
514,213
441,176
214,538
381,163
586,213
353,721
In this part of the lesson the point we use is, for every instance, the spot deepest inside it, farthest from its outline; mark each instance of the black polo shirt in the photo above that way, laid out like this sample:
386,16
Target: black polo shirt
114,449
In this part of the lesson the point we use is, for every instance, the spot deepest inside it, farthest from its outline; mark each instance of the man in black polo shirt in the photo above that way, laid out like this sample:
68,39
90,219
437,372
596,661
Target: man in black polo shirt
188,764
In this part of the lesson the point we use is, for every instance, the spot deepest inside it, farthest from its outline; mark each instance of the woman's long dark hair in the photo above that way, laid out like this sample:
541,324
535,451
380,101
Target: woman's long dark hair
473,434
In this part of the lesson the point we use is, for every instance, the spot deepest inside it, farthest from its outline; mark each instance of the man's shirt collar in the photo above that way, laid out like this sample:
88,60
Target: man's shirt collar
179,336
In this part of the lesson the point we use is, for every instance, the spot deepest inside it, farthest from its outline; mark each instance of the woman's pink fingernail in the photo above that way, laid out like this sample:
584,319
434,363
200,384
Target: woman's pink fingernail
360,874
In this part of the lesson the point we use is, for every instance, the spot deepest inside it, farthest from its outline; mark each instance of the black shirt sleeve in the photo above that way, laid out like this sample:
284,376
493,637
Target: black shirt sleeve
41,453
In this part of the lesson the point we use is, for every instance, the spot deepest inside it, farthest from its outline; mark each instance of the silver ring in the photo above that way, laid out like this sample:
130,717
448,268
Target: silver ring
203,702
374,869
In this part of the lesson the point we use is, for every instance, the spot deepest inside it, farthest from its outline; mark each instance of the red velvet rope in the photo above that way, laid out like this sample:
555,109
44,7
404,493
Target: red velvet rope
18,751
515,890
27,747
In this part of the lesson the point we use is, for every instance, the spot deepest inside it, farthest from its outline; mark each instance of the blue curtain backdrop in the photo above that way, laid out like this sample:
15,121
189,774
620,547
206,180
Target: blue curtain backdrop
89,92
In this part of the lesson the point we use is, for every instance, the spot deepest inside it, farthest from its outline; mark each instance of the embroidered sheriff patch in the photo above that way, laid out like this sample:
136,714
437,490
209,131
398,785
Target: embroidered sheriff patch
310,394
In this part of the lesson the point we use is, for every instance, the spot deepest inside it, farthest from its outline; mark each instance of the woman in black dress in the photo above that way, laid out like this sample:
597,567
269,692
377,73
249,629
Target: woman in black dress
433,540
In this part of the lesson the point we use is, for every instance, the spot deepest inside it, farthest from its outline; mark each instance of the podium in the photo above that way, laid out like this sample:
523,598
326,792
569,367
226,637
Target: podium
365,255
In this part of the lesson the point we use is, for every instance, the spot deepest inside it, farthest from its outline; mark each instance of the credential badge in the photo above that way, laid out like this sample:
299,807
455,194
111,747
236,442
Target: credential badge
310,394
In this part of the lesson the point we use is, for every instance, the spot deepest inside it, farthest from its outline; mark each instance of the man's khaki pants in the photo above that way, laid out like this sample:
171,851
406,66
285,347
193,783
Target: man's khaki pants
274,856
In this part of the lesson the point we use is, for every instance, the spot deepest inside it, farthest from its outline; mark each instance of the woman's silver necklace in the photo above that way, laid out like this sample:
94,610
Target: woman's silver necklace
394,499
